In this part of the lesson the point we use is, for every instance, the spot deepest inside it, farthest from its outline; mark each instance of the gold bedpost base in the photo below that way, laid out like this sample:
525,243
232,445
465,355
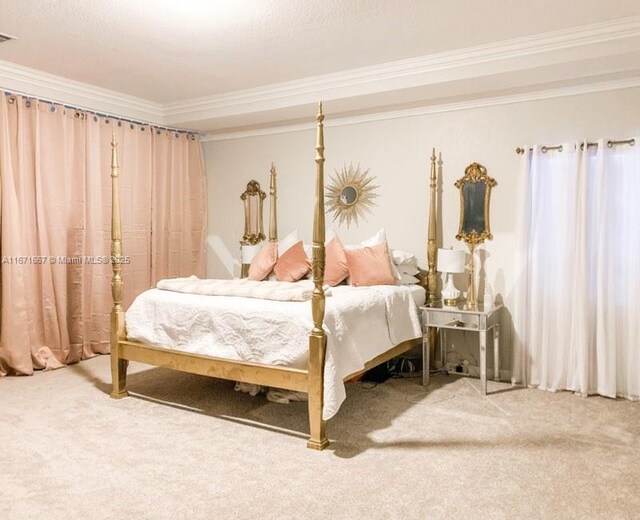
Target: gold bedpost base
317,445
317,427
118,365
119,378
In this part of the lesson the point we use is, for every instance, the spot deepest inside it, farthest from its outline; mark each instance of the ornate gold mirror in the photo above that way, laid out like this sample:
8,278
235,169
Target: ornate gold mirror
475,197
350,195
253,198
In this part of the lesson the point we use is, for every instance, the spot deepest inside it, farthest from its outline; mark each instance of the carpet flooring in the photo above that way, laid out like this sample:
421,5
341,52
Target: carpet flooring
189,447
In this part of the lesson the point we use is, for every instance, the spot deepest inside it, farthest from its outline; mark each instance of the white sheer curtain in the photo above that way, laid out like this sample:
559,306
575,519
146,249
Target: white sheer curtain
577,300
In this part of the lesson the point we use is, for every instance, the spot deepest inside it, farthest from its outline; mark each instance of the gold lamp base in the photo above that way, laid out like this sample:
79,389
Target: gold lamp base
451,302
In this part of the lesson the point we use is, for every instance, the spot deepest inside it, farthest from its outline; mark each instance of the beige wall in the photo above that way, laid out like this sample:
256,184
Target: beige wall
397,153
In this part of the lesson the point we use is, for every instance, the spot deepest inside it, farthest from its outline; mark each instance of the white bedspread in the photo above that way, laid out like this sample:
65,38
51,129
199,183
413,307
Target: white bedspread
361,323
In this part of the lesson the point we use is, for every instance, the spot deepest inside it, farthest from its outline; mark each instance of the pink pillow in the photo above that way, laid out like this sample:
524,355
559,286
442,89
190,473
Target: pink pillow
293,264
336,268
370,266
262,264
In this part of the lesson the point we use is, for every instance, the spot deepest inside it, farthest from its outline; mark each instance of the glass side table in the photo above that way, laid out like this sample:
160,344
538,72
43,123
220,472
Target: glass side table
481,320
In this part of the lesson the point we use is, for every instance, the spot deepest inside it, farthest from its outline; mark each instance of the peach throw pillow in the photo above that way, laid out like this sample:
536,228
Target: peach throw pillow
336,268
370,266
293,264
262,264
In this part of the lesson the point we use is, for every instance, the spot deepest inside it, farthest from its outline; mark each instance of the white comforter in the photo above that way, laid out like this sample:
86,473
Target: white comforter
361,323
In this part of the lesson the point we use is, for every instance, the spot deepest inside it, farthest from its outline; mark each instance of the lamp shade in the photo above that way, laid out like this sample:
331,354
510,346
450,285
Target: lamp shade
451,260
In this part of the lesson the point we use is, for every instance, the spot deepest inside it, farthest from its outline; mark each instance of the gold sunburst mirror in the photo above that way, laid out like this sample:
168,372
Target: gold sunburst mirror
351,194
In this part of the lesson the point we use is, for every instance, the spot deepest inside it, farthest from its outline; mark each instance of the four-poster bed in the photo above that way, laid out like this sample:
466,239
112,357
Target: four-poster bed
310,379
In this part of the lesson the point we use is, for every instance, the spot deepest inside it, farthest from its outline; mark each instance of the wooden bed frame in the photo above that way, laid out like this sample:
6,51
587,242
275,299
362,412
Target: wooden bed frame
310,380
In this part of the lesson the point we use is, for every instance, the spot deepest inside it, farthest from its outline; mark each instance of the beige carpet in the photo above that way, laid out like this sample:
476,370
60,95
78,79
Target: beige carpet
180,448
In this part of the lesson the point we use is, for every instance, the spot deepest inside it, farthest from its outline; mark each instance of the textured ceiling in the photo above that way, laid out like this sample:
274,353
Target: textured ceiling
170,50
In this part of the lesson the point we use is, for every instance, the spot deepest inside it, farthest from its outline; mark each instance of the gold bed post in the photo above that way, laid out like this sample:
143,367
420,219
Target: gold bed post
318,339
432,246
118,366
273,213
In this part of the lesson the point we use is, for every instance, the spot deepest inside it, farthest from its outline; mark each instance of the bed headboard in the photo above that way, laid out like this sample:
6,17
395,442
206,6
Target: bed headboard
249,244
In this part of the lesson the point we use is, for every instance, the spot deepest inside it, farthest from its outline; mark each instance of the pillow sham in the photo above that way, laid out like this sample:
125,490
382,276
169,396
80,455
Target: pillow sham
379,238
336,267
370,266
292,265
262,264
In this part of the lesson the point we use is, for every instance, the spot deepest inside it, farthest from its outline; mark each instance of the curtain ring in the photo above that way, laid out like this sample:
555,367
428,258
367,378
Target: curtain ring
27,103
632,142
544,149
119,123
142,128
95,119
560,148
131,126
11,100
53,108
609,144
106,121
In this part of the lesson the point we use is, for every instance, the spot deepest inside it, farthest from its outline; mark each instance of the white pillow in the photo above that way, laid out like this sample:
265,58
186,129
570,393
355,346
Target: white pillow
290,240
284,245
403,258
408,269
379,238
407,279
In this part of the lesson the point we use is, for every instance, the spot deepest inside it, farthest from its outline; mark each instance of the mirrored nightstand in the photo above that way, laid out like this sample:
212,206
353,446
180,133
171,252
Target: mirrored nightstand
481,320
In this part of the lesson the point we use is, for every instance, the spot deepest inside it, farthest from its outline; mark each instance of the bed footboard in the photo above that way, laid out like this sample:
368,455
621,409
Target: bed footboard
311,380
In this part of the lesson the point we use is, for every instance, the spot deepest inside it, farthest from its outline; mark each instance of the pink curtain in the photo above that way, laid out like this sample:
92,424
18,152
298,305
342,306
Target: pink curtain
179,206
55,212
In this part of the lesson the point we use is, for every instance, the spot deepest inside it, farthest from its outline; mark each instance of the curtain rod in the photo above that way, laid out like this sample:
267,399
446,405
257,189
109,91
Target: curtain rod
98,114
558,147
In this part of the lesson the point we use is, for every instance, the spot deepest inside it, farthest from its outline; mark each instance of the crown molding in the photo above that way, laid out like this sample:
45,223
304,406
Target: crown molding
574,45
409,72
36,83
558,92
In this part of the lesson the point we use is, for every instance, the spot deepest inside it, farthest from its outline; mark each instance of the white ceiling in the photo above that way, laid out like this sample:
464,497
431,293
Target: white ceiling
220,64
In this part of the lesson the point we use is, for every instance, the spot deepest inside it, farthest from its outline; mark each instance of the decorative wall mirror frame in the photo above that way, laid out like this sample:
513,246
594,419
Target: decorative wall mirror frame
350,194
475,199
253,198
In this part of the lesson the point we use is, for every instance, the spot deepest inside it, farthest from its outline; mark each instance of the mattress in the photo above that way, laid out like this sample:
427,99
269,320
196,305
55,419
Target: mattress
361,323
